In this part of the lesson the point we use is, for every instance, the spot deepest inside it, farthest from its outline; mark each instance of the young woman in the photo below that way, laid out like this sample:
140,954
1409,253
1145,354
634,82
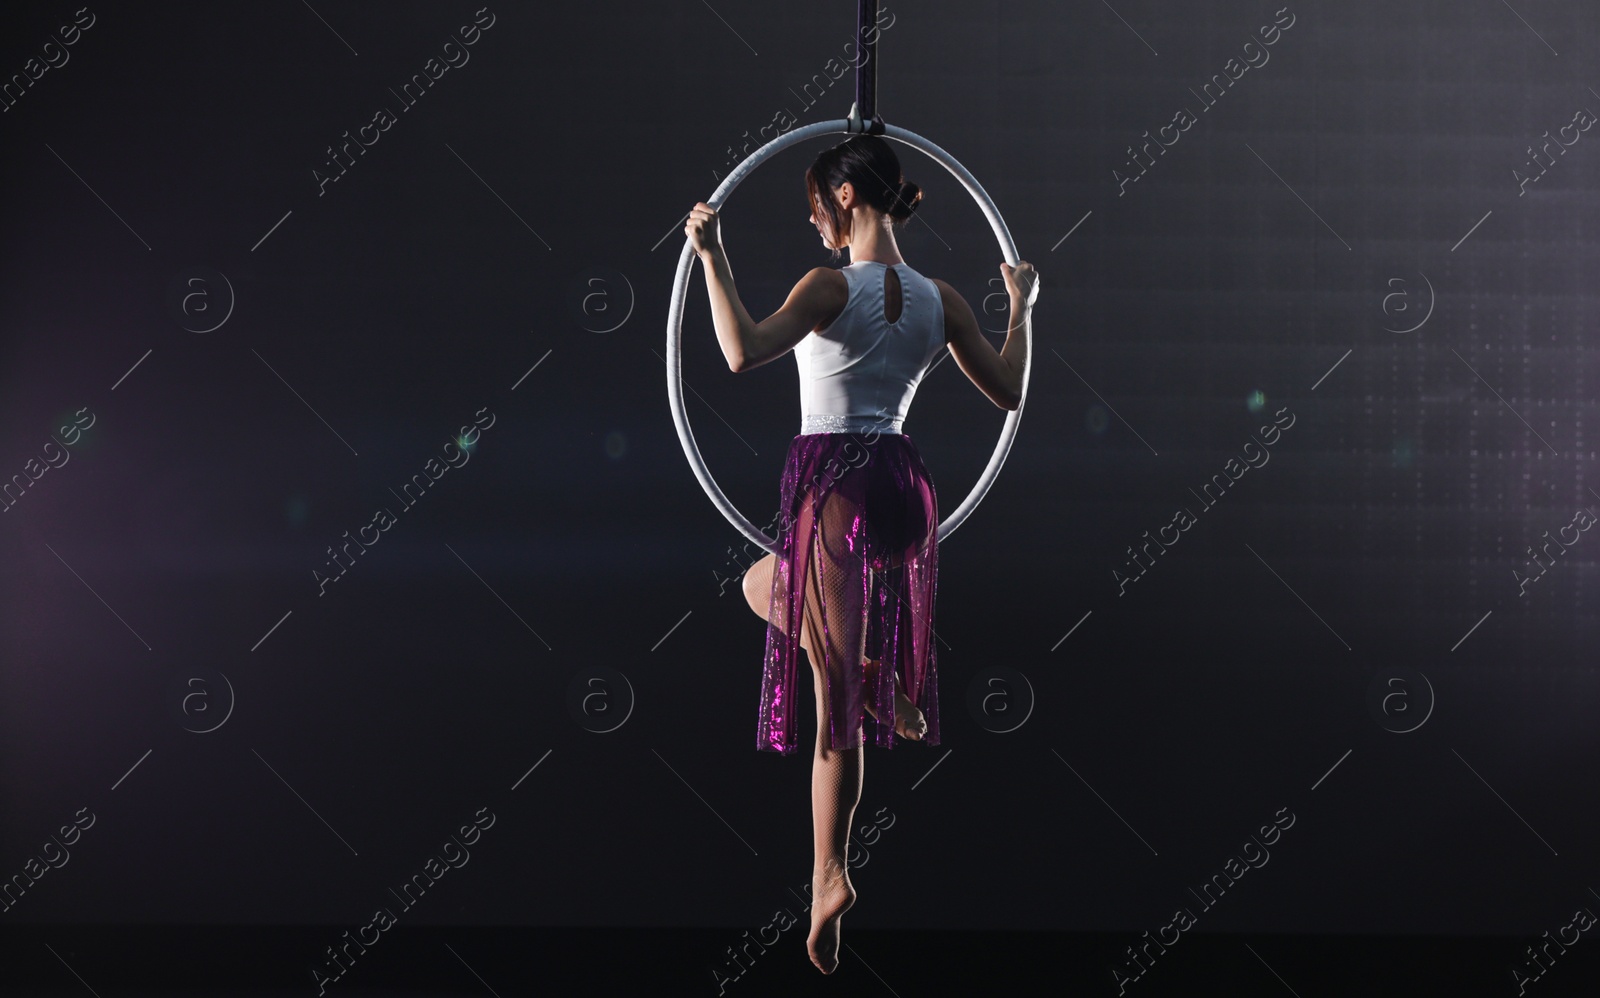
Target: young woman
858,512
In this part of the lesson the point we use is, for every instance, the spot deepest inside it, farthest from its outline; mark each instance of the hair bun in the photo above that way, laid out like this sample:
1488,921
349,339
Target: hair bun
906,198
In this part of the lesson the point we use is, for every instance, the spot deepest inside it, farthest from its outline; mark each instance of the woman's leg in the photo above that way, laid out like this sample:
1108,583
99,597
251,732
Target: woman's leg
758,593
836,774
836,777
908,720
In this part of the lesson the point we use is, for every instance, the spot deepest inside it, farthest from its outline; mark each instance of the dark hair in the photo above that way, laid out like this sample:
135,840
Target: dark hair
868,164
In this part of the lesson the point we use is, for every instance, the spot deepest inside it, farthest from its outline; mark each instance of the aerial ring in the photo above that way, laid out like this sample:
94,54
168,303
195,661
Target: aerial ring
680,289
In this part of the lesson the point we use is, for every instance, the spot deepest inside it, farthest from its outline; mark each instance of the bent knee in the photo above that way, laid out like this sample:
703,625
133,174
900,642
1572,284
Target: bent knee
758,585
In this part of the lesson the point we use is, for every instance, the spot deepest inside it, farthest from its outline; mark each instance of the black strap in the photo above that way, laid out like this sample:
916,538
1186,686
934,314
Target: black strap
867,69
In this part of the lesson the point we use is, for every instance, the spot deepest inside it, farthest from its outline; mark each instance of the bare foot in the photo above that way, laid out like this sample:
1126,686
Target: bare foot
831,898
909,723
908,720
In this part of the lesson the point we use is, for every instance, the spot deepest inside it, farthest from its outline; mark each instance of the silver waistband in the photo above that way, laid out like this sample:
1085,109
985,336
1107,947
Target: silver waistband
825,423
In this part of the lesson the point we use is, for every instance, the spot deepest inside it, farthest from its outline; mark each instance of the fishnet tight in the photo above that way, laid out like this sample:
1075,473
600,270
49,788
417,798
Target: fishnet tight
837,774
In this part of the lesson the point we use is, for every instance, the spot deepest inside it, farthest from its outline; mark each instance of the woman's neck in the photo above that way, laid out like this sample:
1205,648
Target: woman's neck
875,245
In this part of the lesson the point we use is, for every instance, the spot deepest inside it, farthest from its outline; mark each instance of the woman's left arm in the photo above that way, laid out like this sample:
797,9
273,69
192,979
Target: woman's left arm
748,344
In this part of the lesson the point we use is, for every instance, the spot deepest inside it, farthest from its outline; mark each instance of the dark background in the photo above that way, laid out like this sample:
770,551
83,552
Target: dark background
1259,254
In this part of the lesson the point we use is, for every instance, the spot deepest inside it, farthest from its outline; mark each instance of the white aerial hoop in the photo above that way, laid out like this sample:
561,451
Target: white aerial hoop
680,288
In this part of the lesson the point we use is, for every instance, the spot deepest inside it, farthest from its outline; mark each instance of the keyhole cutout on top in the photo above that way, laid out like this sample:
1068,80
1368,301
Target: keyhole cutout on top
891,296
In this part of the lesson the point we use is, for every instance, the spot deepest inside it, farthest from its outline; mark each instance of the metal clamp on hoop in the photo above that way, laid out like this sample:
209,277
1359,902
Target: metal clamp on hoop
871,126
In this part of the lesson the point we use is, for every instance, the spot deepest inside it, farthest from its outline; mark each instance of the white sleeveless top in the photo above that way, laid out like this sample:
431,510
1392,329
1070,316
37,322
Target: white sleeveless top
860,373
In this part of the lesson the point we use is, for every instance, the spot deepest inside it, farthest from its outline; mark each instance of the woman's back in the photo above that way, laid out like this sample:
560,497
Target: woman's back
860,372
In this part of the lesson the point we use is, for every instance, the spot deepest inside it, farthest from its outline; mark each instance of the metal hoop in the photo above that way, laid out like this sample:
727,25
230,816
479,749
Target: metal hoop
680,288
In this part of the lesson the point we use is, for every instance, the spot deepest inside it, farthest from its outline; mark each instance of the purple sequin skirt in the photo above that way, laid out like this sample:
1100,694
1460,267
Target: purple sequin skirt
858,531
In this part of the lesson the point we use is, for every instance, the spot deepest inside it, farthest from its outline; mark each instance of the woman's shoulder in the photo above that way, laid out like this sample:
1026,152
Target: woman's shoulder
828,283
947,291
825,290
953,305
825,277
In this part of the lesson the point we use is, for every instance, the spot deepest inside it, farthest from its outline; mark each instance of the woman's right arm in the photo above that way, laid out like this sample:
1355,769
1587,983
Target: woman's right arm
998,374
820,295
